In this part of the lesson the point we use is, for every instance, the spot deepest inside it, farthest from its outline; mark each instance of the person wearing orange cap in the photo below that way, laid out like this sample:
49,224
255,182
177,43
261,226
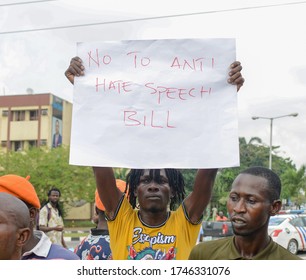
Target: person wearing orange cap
96,246
14,230
39,245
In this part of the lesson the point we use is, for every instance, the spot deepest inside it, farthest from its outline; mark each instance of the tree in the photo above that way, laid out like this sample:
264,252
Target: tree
50,168
252,153
294,185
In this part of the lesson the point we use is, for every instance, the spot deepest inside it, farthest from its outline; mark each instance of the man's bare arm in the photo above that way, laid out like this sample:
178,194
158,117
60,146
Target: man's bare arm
199,198
109,194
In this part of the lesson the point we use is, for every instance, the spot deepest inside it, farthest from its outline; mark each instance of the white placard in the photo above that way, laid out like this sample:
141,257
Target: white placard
155,104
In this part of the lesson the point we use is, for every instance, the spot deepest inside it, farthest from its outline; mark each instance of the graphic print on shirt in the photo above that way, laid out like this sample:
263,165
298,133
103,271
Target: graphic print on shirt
149,253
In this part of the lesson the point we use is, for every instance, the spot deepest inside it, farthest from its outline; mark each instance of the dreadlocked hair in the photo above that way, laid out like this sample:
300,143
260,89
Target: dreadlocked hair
58,206
175,179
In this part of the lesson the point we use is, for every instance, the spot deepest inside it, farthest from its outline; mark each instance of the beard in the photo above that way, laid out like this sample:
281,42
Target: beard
155,209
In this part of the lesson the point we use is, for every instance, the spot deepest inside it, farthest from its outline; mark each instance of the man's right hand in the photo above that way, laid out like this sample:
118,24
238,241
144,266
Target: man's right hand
75,68
59,228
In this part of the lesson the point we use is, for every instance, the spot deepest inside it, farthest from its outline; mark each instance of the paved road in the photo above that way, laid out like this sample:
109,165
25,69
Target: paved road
302,255
72,244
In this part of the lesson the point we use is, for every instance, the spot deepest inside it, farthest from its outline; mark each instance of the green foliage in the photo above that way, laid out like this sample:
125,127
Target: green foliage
120,173
189,176
294,185
252,153
50,168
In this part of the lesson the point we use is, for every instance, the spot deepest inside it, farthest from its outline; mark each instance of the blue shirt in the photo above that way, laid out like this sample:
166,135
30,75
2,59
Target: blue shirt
46,250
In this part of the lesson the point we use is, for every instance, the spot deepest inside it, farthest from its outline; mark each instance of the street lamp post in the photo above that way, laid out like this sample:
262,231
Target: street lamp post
271,127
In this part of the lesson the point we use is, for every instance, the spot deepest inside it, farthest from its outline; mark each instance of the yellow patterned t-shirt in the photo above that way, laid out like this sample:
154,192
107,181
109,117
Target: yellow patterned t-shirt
130,239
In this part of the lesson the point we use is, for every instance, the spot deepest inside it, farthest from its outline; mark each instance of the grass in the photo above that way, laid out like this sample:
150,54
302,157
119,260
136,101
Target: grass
78,224
84,225
75,234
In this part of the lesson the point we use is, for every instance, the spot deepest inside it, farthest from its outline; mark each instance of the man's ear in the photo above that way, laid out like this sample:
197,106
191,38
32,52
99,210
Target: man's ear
33,216
24,235
33,213
275,207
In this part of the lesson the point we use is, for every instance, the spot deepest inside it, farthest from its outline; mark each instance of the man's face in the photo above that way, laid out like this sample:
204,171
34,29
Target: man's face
248,205
153,196
8,234
54,197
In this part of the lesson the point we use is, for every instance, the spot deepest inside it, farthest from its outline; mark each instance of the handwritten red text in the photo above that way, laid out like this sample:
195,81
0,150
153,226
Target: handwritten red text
118,86
195,64
97,60
176,93
152,119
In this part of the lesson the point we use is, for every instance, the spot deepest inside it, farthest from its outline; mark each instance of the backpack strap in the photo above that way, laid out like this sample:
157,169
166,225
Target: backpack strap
48,215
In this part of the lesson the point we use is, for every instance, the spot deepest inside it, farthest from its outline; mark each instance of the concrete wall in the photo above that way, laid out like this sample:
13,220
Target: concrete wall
83,212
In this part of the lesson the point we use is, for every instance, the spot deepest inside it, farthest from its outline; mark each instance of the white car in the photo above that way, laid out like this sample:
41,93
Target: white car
289,231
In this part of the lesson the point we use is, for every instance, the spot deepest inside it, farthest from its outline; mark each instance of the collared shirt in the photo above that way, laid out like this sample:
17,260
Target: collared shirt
225,249
43,246
45,250
55,220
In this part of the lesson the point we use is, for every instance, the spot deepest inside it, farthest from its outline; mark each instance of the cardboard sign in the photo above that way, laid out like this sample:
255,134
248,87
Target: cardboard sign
155,104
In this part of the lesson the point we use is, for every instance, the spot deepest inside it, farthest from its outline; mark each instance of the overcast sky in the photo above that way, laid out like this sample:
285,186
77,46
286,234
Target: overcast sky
37,41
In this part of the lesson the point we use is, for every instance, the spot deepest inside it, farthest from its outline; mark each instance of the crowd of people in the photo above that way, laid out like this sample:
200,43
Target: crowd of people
161,225
148,216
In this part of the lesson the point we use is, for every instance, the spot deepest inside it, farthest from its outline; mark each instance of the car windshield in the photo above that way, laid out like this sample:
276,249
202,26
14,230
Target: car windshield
275,221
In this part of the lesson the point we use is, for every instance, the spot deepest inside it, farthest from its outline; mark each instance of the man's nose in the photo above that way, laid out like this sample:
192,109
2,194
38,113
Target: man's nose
240,206
153,187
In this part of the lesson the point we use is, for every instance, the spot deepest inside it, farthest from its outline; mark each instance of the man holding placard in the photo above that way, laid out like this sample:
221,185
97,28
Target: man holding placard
153,231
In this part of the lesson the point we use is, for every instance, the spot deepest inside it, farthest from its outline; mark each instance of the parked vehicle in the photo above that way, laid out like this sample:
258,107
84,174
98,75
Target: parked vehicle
216,230
289,230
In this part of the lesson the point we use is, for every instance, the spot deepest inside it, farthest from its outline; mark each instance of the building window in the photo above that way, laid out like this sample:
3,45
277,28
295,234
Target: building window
17,146
32,143
43,142
44,112
4,113
18,116
33,115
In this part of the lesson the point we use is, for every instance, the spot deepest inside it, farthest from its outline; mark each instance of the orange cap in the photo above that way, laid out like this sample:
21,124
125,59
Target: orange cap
120,185
19,187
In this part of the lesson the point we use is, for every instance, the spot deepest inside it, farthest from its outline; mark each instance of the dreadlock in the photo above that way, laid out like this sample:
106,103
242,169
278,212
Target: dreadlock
58,206
175,179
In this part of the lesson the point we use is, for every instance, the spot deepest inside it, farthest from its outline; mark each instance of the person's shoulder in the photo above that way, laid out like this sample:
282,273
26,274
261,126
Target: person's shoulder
44,208
213,243
281,253
46,205
202,250
206,250
59,252
220,241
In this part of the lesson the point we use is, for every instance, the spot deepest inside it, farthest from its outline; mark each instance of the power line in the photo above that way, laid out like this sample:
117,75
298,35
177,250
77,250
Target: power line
28,2
149,18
